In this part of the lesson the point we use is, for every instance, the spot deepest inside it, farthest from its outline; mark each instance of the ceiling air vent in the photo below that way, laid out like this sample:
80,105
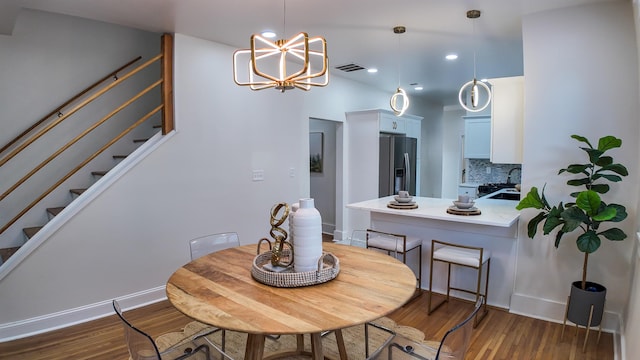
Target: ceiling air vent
350,67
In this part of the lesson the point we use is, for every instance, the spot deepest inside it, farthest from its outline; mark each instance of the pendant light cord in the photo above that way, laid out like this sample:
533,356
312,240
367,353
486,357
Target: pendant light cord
475,46
398,62
284,19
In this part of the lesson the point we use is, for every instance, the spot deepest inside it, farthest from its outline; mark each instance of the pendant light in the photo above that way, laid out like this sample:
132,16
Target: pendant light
399,100
283,64
474,85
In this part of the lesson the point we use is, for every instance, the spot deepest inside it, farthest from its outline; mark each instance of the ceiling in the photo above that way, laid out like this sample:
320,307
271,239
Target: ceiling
356,31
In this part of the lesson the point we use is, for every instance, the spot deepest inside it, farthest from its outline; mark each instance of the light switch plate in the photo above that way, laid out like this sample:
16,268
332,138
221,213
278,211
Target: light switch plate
257,175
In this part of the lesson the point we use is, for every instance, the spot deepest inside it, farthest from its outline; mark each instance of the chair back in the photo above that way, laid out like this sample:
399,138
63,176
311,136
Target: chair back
455,342
358,239
140,345
211,243
391,243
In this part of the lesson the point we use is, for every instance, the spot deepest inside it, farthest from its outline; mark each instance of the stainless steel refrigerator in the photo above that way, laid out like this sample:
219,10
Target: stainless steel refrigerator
397,164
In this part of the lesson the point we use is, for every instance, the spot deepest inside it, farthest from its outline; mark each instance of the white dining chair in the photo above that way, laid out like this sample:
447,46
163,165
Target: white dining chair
208,244
211,243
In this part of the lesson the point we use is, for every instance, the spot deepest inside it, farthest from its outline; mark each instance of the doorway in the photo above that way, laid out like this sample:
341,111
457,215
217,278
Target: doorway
323,140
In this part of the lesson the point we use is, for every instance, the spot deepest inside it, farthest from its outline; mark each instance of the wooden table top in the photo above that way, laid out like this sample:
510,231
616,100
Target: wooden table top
218,289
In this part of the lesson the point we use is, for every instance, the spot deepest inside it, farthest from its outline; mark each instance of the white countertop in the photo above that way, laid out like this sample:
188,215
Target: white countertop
500,213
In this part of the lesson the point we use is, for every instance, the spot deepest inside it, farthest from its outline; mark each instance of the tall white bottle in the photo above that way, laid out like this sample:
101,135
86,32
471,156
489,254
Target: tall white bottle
307,242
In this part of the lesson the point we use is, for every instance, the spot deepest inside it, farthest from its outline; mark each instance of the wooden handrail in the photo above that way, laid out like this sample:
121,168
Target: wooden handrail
166,80
167,85
78,137
74,98
75,109
80,166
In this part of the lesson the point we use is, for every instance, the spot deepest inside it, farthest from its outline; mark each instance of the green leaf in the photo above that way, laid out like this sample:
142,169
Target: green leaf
552,222
605,215
616,168
558,238
576,169
594,154
621,212
604,161
573,217
614,234
589,201
612,178
600,188
588,242
554,218
578,182
532,200
532,227
608,142
582,139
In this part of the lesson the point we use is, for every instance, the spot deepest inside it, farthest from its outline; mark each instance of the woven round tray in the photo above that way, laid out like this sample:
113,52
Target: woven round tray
328,269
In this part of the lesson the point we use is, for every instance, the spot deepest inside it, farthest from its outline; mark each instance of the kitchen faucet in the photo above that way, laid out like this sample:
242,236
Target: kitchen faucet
509,174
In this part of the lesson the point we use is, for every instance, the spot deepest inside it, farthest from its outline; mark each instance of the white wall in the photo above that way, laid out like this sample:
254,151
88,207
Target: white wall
129,240
631,315
453,129
579,81
431,157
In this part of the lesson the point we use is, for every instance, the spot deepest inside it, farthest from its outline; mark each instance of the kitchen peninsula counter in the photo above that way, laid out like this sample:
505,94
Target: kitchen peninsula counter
501,213
495,229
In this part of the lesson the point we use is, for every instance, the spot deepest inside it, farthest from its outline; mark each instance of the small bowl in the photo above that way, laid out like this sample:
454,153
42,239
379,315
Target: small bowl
403,199
463,205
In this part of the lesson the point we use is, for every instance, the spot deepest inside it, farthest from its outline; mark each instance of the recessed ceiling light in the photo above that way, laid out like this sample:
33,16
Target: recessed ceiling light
484,80
451,57
268,34
418,88
372,70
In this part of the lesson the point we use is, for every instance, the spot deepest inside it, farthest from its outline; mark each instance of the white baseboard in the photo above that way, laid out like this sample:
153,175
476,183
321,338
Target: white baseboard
553,311
41,324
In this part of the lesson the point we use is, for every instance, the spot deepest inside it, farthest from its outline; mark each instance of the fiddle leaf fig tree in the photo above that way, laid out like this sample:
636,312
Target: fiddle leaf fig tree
589,211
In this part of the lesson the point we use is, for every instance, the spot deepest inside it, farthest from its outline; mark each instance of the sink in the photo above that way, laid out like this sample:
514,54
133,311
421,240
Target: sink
506,196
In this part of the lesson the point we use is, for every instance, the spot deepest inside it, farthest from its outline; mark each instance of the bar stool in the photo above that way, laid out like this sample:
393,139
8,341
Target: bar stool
398,244
462,255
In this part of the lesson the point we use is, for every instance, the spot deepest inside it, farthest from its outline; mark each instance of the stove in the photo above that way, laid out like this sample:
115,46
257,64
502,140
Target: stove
488,188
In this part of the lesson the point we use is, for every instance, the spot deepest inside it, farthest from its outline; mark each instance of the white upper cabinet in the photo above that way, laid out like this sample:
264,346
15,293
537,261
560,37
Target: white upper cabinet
389,123
477,137
507,115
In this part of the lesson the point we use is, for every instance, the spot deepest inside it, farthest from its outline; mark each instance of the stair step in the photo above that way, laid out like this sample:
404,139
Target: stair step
30,231
139,140
55,210
77,191
6,253
98,173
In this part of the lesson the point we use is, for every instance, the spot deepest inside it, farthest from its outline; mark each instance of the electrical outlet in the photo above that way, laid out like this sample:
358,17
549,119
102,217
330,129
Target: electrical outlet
257,175
488,169
292,172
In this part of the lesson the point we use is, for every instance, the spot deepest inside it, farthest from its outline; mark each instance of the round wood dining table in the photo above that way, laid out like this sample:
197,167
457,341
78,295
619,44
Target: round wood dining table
218,289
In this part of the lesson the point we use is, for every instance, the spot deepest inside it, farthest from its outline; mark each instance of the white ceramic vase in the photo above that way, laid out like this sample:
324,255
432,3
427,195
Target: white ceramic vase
307,241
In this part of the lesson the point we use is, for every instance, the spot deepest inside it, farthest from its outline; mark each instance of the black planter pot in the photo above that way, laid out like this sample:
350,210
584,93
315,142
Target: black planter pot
580,302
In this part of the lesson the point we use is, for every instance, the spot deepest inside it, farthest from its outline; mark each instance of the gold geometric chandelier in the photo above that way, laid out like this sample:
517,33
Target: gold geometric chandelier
300,62
474,85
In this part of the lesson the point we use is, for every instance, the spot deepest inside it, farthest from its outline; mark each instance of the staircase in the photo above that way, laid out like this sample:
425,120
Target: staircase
29,232
92,157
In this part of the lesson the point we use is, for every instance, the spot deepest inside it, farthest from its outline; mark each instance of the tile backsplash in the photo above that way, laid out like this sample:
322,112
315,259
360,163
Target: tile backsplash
477,172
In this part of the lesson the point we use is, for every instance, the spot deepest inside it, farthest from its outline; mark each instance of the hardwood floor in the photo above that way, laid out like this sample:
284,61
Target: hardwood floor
499,336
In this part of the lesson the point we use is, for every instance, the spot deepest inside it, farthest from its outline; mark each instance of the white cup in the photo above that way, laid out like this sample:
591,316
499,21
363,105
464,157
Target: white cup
403,194
464,198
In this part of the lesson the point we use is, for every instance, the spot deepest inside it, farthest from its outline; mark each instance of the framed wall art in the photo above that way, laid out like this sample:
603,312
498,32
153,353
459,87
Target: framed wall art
316,148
